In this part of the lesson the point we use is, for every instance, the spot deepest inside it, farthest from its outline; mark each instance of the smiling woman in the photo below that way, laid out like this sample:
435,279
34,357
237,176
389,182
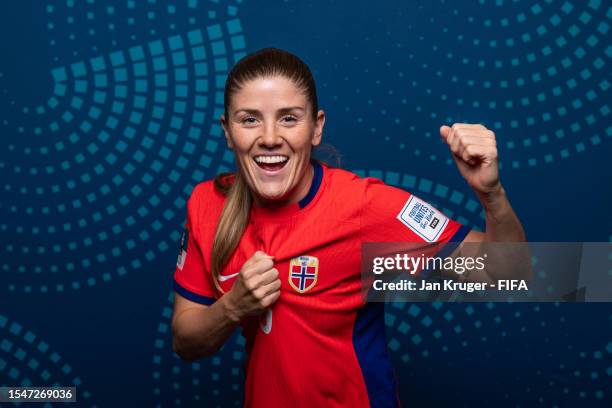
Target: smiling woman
274,247
269,126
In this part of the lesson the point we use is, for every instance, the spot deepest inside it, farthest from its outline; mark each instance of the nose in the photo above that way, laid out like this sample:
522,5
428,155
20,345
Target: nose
270,137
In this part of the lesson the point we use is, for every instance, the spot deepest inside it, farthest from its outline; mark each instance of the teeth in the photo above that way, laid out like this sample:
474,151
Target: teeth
271,159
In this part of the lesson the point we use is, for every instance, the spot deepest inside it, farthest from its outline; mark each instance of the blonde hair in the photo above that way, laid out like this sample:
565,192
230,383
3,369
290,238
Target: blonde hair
232,222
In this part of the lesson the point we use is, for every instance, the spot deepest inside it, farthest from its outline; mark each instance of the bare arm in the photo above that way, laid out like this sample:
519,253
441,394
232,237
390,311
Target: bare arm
474,150
502,224
505,261
199,330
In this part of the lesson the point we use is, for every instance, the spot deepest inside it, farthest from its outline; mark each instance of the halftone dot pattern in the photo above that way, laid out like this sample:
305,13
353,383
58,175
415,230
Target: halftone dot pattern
140,78
551,103
26,360
104,28
422,332
131,121
217,381
104,24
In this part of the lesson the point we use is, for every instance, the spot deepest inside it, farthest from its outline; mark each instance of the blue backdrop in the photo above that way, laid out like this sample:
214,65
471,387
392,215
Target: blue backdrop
109,116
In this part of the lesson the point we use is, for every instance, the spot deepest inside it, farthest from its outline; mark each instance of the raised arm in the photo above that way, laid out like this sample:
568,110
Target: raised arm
474,150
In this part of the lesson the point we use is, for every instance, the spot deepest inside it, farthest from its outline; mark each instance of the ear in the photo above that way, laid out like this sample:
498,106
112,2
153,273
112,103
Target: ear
226,131
318,131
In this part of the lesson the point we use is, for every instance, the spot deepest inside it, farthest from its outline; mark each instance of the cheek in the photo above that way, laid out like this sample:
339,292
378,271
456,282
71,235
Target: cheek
302,140
242,141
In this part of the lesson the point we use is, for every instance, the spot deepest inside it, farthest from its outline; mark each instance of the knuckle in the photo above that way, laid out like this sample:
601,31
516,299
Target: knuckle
248,285
251,284
267,302
258,294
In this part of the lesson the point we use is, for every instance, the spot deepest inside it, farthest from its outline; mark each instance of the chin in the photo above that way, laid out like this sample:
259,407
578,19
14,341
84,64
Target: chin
273,196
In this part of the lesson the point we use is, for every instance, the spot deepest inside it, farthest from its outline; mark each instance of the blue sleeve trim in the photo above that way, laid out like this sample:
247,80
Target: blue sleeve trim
454,242
449,247
194,297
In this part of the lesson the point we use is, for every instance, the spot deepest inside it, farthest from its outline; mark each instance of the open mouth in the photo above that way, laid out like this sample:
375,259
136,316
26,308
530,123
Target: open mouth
271,162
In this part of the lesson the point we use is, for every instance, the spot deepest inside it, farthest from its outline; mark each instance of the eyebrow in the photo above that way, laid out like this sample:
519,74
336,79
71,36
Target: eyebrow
282,110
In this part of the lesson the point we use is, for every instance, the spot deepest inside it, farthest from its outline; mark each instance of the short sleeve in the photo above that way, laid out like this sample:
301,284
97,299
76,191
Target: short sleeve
191,278
390,214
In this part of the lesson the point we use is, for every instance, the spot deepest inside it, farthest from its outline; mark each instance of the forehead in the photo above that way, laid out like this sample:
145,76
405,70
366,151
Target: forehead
268,93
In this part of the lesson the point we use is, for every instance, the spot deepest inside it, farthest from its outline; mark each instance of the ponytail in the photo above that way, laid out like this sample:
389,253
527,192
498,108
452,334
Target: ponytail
232,221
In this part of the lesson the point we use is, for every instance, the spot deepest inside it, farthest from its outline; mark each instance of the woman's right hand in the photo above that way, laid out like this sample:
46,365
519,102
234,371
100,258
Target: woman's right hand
255,289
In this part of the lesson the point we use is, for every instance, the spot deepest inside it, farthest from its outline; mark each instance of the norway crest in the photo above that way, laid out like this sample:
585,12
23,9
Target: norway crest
303,272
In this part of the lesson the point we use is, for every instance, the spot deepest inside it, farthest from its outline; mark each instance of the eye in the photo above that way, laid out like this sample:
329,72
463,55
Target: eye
289,118
248,120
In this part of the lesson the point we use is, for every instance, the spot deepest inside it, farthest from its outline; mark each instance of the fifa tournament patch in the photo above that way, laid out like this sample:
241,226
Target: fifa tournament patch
422,218
303,273
183,250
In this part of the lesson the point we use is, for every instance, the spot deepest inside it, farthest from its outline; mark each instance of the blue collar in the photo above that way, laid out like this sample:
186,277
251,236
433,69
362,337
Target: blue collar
317,177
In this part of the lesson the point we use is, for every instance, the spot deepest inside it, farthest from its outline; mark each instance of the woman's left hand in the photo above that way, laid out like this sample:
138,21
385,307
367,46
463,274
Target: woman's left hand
475,151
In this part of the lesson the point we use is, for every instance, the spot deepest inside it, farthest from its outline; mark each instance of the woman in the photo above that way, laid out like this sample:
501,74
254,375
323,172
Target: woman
275,248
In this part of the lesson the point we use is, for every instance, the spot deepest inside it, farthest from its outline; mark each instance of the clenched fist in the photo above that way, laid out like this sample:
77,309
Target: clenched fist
256,288
475,152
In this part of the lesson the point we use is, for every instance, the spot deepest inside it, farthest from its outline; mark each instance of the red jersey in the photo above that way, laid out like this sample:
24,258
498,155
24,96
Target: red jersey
320,344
